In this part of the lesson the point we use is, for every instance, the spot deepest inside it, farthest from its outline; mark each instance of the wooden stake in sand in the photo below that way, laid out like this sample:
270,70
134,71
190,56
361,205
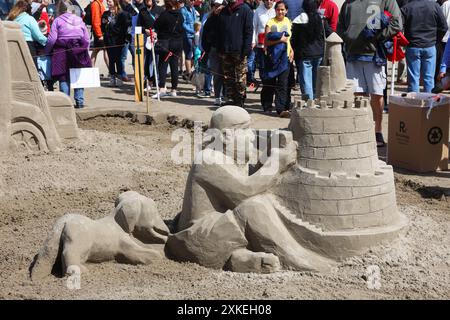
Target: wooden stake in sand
139,65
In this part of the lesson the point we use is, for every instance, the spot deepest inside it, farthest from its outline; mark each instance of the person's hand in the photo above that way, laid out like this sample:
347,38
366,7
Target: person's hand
291,56
440,76
253,45
284,39
147,32
101,38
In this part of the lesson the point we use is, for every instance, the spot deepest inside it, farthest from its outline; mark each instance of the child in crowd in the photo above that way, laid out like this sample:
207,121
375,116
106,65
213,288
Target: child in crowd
277,62
44,62
197,77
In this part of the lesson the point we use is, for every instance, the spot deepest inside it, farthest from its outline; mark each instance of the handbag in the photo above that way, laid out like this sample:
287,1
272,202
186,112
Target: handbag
162,46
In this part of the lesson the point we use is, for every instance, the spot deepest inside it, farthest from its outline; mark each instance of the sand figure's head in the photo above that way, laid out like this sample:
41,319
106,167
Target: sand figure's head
231,125
138,215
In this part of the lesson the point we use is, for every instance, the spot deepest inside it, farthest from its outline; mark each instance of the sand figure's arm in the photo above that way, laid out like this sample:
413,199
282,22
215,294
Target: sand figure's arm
227,182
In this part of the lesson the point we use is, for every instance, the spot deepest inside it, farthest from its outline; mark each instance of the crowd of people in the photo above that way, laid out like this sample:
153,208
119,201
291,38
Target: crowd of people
228,46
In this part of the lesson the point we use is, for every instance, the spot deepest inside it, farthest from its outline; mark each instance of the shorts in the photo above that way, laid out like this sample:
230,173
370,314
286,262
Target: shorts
98,43
188,47
369,78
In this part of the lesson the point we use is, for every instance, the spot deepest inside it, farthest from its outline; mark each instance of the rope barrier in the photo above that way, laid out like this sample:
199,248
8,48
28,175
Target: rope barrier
169,54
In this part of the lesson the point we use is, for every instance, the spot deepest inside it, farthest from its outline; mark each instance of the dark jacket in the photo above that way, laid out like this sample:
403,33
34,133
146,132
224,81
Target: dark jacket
235,30
129,8
209,33
116,30
424,23
353,19
308,48
169,26
157,10
146,19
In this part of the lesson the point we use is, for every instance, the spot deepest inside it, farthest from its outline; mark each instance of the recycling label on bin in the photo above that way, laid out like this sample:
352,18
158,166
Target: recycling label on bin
435,135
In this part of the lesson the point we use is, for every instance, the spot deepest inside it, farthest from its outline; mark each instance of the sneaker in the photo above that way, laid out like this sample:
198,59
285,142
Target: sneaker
119,82
218,102
148,89
160,94
438,88
112,81
172,93
204,95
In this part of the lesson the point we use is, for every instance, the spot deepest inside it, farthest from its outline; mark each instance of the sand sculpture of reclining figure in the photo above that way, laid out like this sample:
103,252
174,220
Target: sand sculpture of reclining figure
133,233
228,219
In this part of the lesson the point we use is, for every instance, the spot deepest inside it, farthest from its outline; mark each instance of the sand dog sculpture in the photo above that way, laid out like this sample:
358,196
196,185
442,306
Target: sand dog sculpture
133,233
30,118
320,195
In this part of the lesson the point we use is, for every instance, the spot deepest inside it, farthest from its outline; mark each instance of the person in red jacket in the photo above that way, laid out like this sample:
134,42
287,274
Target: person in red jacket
39,11
97,10
330,12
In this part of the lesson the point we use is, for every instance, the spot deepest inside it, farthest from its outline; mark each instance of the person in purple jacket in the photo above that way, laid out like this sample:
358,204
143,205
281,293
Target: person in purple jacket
68,43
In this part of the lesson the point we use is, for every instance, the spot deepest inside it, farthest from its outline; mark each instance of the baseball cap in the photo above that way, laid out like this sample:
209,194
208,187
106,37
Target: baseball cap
218,2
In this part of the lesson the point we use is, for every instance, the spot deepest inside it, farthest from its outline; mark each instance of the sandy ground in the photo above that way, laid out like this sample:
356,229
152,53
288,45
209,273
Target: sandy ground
115,155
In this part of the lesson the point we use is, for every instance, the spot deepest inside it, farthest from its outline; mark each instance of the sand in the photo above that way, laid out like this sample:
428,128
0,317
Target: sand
115,155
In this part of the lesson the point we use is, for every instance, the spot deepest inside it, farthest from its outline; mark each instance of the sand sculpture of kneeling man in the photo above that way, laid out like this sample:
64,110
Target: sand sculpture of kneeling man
228,219
133,233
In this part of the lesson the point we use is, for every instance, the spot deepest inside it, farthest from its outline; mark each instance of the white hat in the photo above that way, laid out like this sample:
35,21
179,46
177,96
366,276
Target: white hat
217,1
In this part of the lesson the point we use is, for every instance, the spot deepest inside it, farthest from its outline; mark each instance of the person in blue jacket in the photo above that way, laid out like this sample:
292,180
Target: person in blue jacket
189,15
21,13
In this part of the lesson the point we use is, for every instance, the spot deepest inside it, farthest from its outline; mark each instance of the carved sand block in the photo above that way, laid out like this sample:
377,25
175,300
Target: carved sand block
31,119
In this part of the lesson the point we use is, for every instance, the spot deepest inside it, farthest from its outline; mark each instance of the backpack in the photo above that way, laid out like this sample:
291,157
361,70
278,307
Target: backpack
88,15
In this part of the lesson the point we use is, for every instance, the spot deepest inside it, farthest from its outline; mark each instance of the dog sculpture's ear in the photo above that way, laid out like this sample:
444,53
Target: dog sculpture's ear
127,214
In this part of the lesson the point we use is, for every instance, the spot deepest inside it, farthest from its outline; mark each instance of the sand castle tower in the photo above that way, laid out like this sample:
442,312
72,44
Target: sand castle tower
341,198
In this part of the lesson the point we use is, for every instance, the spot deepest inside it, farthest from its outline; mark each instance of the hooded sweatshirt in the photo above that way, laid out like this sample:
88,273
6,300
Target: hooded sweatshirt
169,26
235,29
308,48
261,17
30,28
330,12
353,19
67,26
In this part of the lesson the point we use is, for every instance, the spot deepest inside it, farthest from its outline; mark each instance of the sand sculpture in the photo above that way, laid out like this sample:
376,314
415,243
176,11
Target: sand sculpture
230,218
337,200
133,233
30,118
329,197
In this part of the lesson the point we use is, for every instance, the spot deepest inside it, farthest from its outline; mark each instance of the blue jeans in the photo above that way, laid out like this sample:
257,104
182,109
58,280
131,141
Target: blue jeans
251,66
64,86
307,71
208,80
259,60
124,55
421,61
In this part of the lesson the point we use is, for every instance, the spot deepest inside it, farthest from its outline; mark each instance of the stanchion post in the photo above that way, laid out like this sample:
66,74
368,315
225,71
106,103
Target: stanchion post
139,65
